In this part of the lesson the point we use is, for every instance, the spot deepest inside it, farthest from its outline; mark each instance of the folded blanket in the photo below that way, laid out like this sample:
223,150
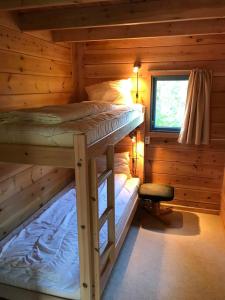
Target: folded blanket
57,114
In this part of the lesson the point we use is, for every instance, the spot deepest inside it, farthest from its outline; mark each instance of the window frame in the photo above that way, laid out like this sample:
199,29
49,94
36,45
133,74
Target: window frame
154,79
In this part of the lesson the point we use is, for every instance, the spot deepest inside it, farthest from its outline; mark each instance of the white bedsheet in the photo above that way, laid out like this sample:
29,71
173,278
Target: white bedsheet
44,255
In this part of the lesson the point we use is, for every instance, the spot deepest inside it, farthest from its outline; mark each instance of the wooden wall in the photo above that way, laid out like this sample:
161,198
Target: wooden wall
33,72
223,199
24,189
196,172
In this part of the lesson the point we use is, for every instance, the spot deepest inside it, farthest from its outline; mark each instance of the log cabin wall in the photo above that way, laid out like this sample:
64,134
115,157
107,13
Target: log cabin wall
196,172
26,188
223,199
33,72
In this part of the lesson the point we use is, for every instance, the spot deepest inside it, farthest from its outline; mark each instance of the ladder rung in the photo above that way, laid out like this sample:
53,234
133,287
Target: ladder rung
105,216
106,253
104,176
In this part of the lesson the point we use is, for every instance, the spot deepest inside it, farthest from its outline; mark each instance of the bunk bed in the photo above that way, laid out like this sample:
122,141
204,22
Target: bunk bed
76,144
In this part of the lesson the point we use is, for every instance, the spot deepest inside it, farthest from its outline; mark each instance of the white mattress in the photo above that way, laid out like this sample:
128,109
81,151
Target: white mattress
43,256
95,127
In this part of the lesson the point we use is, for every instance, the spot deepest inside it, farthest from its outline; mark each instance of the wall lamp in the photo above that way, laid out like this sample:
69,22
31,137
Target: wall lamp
133,137
136,68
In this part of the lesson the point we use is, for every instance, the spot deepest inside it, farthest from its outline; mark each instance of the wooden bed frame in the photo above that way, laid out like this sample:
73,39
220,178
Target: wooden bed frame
94,268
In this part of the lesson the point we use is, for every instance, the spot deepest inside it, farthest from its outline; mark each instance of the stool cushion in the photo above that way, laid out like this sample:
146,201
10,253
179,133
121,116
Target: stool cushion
156,192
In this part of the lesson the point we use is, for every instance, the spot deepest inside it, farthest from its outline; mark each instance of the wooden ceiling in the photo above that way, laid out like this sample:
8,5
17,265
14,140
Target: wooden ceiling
92,20
37,4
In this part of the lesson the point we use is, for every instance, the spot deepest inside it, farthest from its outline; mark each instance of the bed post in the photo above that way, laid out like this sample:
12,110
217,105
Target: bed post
83,216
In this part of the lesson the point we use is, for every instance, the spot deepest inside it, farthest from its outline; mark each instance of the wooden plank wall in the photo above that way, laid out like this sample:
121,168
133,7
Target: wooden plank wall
196,172
22,192
223,199
33,72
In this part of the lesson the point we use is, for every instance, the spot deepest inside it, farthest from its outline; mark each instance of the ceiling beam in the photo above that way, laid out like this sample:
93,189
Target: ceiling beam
181,28
27,4
121,14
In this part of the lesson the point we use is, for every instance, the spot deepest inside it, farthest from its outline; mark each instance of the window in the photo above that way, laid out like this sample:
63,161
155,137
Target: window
168,102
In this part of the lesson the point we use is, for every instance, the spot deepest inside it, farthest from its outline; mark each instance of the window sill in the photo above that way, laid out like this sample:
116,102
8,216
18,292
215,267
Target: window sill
163,134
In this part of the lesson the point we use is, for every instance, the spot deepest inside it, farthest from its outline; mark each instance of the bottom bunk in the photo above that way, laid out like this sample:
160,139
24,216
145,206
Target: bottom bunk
42,254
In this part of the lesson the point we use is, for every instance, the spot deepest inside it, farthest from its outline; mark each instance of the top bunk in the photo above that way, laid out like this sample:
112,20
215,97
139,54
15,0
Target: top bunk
48,135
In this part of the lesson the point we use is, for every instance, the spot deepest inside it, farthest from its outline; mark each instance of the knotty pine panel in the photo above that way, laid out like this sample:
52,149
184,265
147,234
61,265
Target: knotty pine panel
217,130
18,63
196,172
30,66
171,143
15,41
17,208
157,42
223,199
218,99
187,169
122,70
34,72
187,182
21,180
187,155
11,102
157,54
218,114
11,84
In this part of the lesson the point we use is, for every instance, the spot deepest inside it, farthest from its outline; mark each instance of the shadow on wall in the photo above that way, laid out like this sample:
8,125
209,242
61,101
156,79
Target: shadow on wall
180,223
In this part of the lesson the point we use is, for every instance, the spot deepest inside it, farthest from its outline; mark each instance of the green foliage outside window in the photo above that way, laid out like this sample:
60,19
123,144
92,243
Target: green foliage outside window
169,103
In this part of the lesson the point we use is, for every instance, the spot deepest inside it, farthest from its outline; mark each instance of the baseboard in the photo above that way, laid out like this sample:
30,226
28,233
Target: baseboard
194,209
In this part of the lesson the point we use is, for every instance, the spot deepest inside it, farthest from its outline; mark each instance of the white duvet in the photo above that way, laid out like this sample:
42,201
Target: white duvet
43,256
57,113
94,126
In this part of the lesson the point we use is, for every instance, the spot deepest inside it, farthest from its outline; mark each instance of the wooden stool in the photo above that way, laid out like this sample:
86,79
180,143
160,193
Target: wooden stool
151,194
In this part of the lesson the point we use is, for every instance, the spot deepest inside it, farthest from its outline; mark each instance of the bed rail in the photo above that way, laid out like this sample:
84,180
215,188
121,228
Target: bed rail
105,216
104,176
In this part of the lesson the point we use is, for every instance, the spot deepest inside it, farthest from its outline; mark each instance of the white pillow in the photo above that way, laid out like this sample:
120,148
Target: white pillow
118,92
121,163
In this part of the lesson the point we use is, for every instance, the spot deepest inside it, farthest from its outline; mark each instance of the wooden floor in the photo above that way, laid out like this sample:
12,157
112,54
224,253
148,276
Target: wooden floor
183,262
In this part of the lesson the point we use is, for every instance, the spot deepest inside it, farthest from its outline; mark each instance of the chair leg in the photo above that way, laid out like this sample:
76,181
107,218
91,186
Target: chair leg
166,211
156,208
156,211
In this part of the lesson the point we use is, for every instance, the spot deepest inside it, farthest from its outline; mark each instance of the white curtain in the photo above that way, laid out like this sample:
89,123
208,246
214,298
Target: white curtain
196,124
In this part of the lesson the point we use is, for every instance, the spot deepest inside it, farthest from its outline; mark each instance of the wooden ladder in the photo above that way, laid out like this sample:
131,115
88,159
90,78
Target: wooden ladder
106,259
93,265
